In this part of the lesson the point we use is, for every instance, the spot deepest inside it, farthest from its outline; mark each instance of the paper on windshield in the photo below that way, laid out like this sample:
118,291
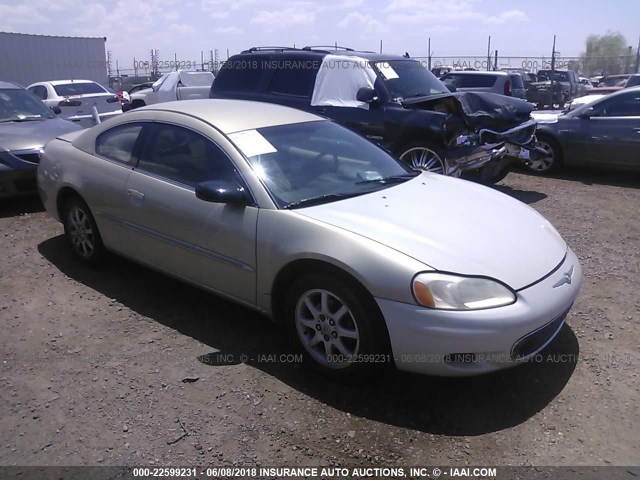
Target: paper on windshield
252,143
387,71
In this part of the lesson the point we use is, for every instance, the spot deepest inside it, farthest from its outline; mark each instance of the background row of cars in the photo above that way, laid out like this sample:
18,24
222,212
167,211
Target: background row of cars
84,103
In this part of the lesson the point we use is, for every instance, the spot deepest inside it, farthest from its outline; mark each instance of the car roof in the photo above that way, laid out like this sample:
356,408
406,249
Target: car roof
480,72
307,51
7,85
231,116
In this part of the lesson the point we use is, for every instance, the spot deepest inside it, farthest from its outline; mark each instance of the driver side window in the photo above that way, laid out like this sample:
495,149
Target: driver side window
184,156
621,106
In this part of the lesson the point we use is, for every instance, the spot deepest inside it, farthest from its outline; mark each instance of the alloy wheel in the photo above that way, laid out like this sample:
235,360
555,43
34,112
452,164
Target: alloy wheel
422,158
327,328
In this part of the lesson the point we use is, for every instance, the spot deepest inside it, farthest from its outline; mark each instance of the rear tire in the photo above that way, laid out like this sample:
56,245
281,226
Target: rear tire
81,231
336,326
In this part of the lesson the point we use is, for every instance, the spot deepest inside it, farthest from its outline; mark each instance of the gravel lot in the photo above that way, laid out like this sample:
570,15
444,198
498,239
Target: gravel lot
118,366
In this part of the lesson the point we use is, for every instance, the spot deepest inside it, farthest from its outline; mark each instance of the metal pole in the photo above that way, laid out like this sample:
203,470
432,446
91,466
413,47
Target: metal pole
627,64
489,53
175,61
638,57
202,60
495,63
553,70
380,46
429,52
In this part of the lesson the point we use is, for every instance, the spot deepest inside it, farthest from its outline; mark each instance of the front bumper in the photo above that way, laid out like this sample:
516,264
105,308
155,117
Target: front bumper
18,172
455,343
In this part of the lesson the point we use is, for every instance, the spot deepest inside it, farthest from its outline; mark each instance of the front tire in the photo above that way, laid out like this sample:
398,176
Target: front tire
424,157
336,326
548,164
82,232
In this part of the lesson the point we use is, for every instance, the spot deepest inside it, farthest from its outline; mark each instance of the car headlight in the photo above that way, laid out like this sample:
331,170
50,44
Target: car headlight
446,291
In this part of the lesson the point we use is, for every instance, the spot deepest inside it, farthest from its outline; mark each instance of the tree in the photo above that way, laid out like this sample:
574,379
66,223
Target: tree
606,54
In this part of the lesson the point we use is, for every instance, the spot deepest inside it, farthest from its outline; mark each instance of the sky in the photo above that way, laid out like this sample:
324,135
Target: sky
184,28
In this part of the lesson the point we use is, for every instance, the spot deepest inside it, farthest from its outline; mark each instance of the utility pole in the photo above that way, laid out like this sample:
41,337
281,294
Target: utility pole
489,54
429,53
553,70
380,46
637,70
495,63
628,60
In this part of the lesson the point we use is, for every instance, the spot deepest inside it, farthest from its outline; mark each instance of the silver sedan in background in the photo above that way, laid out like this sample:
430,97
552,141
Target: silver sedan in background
363,260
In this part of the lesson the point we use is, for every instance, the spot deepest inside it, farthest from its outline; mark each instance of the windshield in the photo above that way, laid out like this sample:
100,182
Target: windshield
409,78
20,105
557,76
317,162
71,89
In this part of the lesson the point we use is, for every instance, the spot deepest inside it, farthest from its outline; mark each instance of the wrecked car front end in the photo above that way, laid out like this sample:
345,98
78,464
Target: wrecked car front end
479,129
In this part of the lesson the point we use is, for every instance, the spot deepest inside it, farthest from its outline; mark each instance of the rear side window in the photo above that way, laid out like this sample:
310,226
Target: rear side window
469,81
39,91
516,81
293,78
118,143
69,89
239,75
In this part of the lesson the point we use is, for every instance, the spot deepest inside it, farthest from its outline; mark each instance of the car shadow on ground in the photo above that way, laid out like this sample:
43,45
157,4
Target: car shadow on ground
526,196
14,206
448,406
592,176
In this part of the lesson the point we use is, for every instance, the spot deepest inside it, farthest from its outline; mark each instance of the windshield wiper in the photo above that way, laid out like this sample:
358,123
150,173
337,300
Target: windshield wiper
307,202
390,179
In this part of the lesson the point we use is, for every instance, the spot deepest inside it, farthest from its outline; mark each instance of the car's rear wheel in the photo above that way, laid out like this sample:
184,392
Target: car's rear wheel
82,232
336,326
546,164
424,157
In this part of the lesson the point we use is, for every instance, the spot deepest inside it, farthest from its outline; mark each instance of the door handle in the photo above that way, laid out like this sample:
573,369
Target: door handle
136,194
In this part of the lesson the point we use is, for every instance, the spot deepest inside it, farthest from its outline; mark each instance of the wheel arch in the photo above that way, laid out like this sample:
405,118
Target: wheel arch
64,194
293,270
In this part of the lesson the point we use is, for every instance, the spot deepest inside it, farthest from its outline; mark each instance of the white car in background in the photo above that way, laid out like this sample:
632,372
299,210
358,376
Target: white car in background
79,100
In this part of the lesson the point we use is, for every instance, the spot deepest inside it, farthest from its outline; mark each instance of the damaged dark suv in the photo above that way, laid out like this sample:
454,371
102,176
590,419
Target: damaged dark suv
392,100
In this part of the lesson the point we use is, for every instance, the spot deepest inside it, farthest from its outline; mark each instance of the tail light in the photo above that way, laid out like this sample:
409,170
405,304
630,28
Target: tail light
507,88
113,99
69,103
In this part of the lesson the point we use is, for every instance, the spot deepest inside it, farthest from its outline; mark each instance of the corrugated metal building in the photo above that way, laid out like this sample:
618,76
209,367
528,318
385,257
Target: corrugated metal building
25,59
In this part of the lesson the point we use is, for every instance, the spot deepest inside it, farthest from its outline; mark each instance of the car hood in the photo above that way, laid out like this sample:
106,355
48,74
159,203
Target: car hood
33,134
453,225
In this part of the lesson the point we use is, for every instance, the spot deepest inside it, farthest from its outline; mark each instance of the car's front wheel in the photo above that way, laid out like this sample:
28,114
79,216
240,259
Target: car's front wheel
82,232
552,161
424,157
335,325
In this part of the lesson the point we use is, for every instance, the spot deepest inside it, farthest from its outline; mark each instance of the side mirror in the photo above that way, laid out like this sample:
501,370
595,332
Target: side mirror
587,113
56,109
221,191
367,95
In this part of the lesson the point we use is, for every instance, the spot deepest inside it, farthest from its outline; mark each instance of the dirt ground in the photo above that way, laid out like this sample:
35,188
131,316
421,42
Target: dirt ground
124,366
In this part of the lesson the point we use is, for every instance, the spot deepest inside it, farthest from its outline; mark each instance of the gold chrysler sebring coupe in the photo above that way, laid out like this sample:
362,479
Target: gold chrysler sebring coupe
362,259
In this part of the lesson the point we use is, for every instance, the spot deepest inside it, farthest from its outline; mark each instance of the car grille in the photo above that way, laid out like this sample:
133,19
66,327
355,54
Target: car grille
23,185
534,341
